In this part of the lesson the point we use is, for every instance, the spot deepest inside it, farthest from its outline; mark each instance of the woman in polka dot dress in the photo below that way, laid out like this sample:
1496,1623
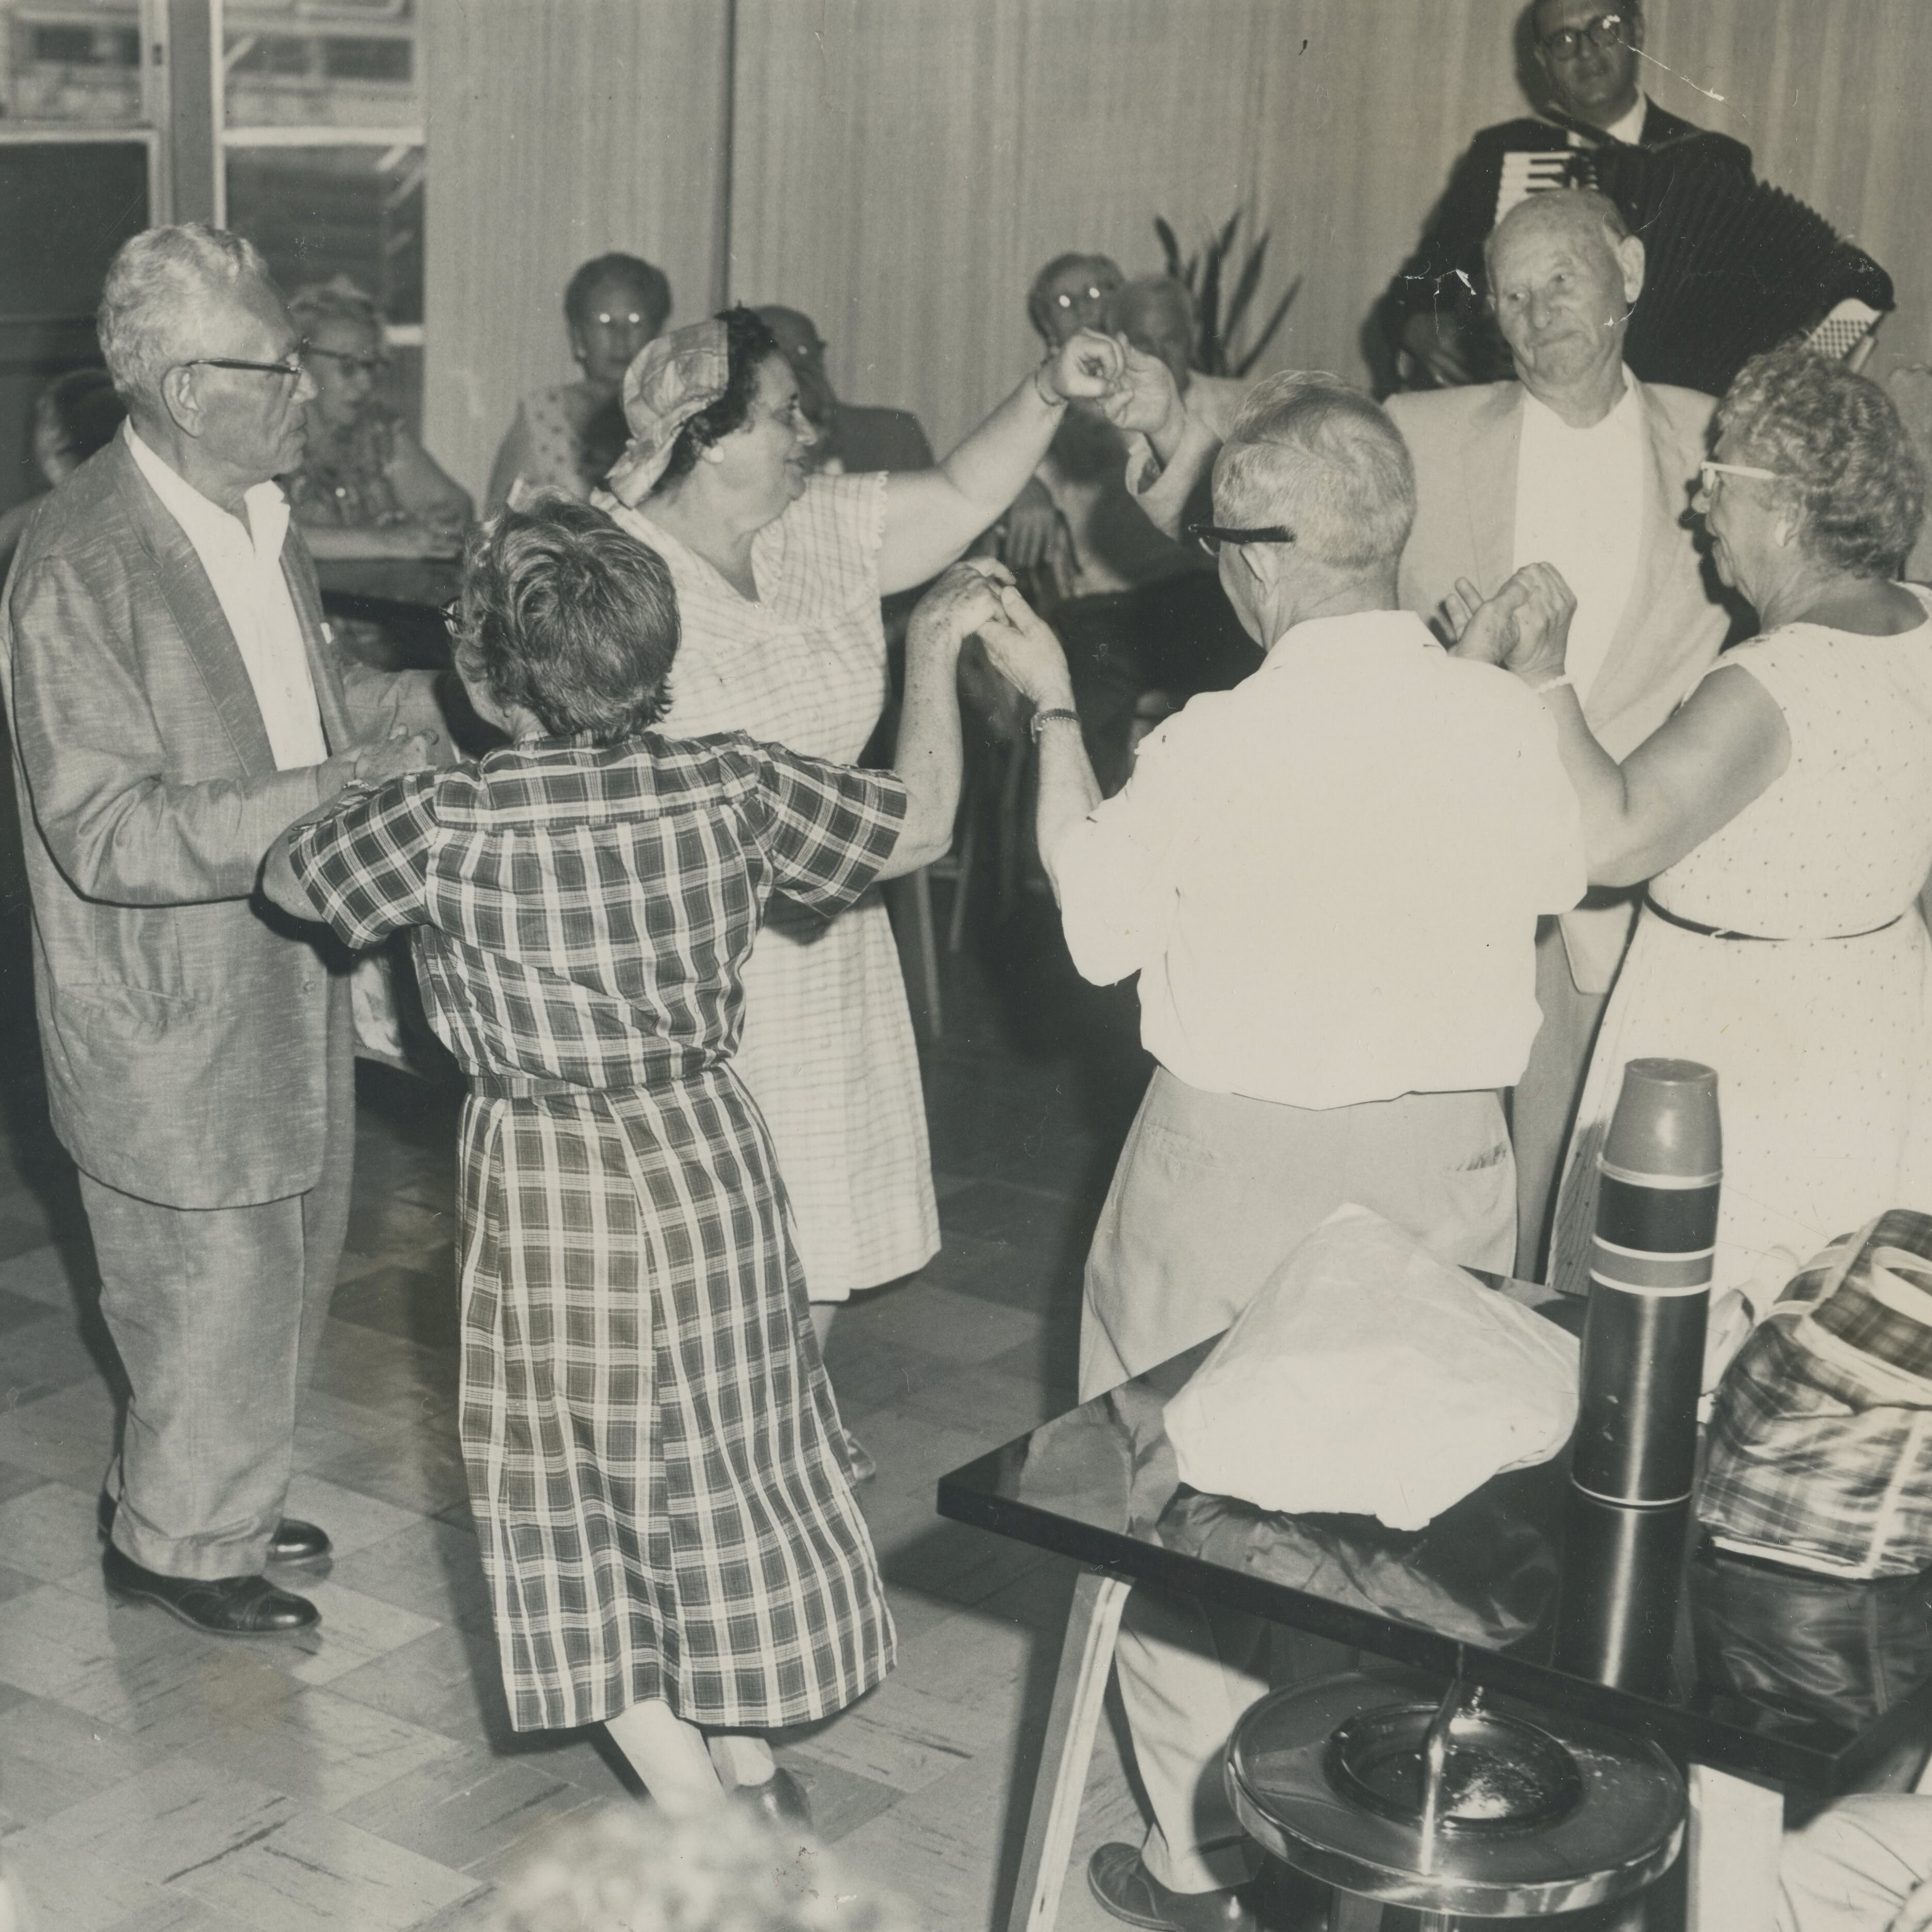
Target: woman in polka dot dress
1783,819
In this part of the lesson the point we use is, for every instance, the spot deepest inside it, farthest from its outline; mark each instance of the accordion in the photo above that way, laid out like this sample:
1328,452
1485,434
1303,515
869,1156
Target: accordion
1732,266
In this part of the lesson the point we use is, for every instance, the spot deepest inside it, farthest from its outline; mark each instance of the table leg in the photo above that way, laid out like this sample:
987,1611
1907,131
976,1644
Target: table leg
1079,1691
1737,1830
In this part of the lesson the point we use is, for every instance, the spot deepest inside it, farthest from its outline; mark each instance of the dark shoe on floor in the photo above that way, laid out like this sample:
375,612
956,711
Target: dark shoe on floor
1124,1885
780,1801
218,1607
293,1541
858,1459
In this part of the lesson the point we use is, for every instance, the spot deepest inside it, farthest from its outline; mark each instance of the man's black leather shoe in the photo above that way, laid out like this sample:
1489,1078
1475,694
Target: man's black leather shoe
293,1542
218,1607
1116,1876
780,1801
297,1542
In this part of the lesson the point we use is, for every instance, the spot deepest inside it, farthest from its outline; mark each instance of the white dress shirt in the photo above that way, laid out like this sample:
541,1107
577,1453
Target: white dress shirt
244,562
1631,127
1328,878
1579,505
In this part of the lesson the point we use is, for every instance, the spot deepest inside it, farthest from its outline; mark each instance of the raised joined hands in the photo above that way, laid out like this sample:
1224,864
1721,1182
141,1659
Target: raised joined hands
1144,396
1525,627
1025,652
1086,365
966,598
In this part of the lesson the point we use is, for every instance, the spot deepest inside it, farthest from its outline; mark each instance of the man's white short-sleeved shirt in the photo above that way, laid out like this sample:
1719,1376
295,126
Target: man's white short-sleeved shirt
1329,877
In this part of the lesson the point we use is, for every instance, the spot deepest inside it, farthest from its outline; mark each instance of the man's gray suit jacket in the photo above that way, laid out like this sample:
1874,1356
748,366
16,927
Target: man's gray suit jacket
188,1026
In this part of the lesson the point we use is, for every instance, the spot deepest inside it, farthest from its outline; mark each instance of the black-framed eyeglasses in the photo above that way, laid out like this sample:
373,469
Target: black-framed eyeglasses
1607,30
1210,536
371,365
291,366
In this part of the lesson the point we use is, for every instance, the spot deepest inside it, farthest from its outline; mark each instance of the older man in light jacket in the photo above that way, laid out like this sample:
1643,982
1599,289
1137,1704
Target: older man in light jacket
175,702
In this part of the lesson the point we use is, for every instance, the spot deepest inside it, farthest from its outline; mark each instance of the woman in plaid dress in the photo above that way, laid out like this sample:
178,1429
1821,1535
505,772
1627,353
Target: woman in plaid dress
779,576
656,1462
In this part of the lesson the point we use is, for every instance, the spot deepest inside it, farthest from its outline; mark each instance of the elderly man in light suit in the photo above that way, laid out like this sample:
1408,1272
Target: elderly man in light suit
176,703
1579,464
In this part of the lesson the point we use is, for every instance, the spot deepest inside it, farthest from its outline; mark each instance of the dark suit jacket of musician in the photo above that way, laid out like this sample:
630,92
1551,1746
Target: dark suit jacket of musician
1444,275
187,1028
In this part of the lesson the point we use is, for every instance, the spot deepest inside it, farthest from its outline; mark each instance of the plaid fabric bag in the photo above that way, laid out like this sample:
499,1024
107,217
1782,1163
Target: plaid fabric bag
1819,1453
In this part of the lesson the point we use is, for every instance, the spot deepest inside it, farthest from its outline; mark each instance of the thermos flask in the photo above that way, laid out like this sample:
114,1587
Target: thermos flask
1650,1287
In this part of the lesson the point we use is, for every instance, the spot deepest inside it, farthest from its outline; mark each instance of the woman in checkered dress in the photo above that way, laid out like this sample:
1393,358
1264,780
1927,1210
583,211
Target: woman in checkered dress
779,575
656,1462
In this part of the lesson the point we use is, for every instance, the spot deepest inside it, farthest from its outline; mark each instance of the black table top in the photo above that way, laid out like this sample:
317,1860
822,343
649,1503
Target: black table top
1625,1616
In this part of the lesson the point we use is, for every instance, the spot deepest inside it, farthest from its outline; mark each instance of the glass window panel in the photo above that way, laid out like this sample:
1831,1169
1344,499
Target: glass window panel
319,212
71,61
320,64
65,206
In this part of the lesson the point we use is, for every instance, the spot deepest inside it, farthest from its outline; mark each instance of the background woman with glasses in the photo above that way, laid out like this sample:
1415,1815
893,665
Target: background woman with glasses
367,487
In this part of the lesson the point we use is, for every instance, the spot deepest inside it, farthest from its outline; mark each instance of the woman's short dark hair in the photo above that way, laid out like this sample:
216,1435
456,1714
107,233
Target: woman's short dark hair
644,275
569,617
749,344
83,408
1852,474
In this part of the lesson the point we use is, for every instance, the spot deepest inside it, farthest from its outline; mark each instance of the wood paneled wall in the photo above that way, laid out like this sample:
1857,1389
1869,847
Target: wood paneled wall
899,168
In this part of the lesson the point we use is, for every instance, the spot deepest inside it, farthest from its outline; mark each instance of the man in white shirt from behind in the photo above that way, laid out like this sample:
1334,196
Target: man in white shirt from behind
1328,880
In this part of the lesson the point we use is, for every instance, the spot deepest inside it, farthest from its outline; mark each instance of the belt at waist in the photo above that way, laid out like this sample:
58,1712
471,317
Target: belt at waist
526,1087
1684,925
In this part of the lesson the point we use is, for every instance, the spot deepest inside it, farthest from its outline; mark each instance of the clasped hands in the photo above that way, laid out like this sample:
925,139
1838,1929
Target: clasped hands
1525,627
1134,391
977,597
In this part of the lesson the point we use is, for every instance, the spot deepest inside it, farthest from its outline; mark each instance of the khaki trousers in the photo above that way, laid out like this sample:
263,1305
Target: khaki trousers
1543,1104
1212,1193
217,1313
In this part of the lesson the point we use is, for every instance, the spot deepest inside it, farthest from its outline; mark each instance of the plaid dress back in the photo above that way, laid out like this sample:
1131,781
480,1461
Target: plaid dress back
655,1460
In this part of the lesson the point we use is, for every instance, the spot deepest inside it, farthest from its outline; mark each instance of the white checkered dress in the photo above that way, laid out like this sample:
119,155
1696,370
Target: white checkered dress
655,1462
828,1052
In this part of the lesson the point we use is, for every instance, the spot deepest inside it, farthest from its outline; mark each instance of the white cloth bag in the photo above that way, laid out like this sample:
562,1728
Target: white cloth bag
1368,1377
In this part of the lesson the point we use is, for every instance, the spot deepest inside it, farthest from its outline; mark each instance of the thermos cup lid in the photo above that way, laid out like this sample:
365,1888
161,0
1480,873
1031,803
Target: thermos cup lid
1666,1123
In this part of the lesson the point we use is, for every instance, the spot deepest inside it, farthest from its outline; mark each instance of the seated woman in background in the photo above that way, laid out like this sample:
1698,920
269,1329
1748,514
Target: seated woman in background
1783,819
74,416
367,487
655,1463
566,438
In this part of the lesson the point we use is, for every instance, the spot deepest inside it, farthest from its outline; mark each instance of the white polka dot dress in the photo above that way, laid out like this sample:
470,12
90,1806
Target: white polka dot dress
552,418
1821,1043
828,1051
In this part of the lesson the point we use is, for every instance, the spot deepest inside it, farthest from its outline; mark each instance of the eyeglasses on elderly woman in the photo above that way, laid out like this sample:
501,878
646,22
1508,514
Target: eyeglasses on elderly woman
1708,473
